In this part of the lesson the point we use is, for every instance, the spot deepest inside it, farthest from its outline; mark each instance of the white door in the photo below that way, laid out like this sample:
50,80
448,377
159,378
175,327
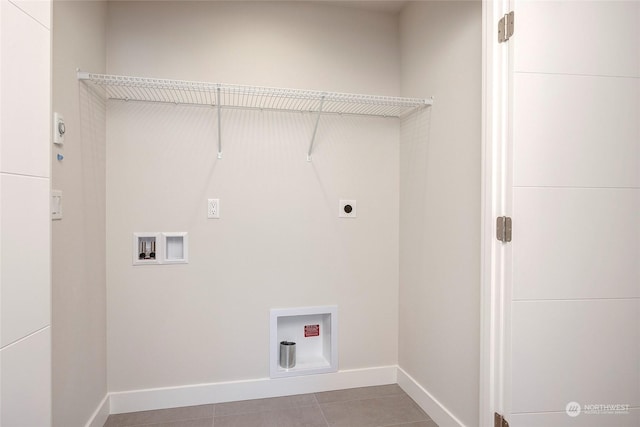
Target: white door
572,272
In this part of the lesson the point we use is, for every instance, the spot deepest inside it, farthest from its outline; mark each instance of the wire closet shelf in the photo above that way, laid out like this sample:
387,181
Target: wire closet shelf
127,88
220,96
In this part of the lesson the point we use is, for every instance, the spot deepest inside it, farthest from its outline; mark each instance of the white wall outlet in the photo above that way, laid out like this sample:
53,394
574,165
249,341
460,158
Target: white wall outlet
58,129
213,208
347,209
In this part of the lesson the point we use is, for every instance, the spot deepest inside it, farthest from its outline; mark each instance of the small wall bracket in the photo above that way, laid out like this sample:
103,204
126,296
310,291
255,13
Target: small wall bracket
315,129
219,123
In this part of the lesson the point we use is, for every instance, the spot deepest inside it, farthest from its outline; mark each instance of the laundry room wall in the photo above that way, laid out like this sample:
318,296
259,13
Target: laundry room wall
279,242
79,341
439,206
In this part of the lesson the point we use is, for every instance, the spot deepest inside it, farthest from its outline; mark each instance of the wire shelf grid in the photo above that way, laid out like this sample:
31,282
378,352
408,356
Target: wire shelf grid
128,88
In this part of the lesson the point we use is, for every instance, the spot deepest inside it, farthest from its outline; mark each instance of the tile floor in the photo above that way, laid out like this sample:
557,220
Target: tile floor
387,406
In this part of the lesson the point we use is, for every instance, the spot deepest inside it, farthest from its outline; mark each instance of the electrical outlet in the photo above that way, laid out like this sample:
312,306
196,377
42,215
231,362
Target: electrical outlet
347,209
213,208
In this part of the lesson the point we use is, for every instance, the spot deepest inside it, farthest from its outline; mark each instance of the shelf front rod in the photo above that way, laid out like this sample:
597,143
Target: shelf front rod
219,122
315,129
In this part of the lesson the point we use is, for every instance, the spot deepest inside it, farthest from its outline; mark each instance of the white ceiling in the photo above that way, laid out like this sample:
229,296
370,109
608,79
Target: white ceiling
389,6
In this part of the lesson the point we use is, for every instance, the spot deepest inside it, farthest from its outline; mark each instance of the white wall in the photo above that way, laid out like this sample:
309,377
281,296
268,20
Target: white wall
576,197
279,241
25,280
285,44
440,205
79,274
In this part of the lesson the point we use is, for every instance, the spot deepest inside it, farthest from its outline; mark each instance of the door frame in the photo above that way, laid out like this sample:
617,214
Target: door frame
494,255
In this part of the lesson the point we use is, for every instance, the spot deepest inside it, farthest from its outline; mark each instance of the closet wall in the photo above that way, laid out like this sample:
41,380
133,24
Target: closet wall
279,241
78,272
440,205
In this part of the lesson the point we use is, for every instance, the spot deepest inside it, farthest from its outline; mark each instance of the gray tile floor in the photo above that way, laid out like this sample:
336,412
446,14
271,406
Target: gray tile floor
387,406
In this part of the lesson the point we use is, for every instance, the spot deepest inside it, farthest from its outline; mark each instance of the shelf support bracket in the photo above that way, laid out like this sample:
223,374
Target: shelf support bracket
219,123
315,129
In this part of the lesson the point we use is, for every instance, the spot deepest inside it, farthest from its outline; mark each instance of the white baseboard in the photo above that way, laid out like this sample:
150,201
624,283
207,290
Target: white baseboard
438,412
100,415
201,394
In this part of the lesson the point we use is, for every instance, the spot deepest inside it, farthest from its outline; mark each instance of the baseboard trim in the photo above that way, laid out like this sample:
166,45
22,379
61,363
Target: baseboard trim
201,394
436,410
101,414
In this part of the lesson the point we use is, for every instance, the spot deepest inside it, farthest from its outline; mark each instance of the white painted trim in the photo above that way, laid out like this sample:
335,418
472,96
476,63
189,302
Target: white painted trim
487,356
201,394
101,414
436,410
495,110
486,260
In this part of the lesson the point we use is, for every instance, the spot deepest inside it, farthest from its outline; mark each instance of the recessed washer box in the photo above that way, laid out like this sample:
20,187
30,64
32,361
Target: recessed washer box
160,248
315,332
146,248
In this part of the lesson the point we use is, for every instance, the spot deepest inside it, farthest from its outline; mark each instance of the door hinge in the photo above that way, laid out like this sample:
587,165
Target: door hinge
499,421
503,229
506,26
